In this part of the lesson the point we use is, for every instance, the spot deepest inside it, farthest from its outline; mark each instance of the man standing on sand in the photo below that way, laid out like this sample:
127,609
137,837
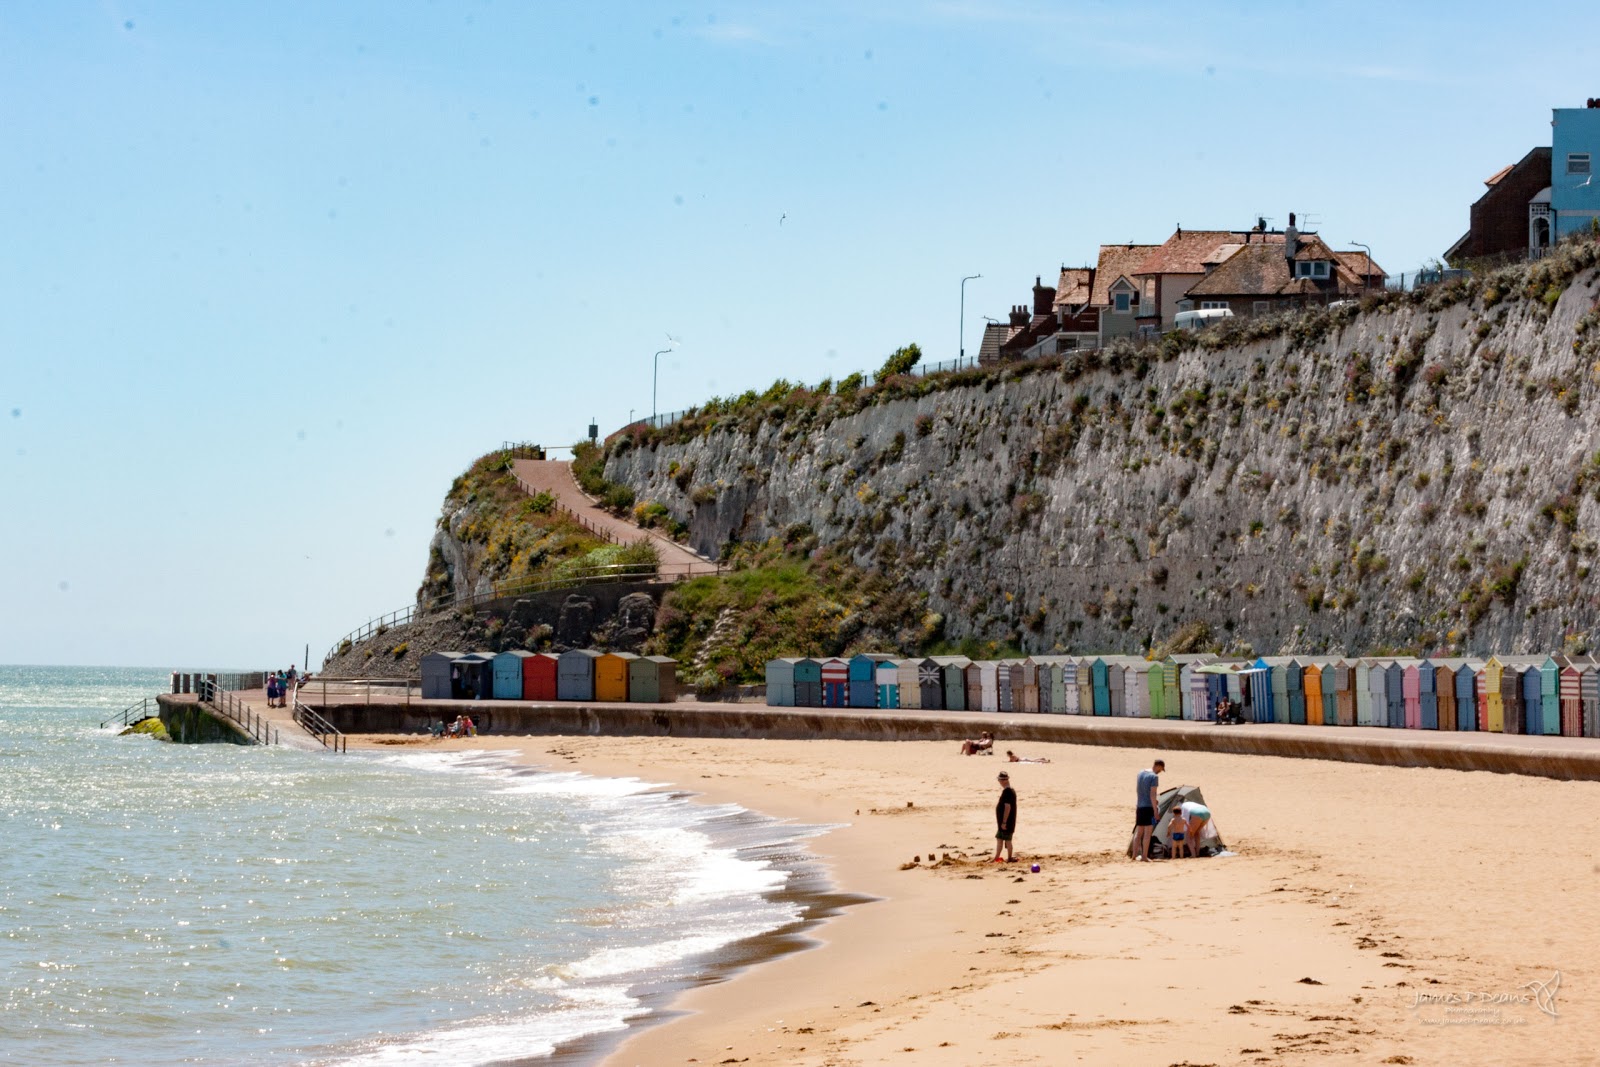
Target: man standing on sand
1005,818
1144,813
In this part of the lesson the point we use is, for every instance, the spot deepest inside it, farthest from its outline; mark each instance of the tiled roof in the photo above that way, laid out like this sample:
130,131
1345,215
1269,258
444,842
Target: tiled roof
1356,263
1494,178
1074,287
1115,262
1185,252
995,334
1263,270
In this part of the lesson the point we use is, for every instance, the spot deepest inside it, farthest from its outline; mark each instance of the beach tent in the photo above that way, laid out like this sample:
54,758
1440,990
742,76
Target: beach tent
888,685
611,676
653,680
436,674
808,683
473,675
910,687
953,678
539,676
835,683
1211,842
508,674
575,674
780,682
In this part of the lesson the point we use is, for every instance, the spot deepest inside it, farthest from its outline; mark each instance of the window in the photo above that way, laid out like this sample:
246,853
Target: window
1577,163
1261,307
1311,268
1209,305
1124,301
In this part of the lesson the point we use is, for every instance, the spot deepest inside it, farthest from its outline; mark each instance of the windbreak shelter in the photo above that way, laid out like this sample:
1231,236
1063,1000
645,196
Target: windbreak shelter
611,675
539,676
653,680
508,674
575,674
780,682
1211,841
808,683
473,673
436,675
888,688
835,683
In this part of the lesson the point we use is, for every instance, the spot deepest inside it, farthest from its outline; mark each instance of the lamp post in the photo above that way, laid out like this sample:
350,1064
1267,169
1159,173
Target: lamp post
1366,279
655,376
961,350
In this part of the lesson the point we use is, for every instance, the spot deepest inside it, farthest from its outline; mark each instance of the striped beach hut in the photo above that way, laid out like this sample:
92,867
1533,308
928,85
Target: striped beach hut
539,676
611,675
780,682
889,685
909,682
1570,696
808,683
508,674
1259,683
653,680
953,678
1053,684
1197,702
1589,686
1275,690
863,690
835,683
1086,685
1486,692
1004,698
575,674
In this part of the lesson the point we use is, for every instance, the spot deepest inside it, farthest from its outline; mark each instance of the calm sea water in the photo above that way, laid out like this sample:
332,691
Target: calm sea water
213,904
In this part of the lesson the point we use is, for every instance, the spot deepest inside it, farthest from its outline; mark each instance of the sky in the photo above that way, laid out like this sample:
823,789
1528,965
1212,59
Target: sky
274,273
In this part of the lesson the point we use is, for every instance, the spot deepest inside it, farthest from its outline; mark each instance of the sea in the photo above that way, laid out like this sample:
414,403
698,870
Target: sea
221,904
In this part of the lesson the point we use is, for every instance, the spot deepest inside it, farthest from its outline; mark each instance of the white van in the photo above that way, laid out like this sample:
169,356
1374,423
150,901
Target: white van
1199,320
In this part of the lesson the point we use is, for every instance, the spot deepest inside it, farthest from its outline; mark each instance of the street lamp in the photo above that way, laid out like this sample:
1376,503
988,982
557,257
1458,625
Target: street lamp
655,376
1366,279
962,347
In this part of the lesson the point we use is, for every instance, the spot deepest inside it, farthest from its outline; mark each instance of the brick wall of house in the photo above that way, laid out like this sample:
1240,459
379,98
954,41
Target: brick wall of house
1500,217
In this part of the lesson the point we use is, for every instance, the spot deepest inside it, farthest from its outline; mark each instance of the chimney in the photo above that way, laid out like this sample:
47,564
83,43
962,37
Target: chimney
1044,298
1291,239
1180,229
1019,315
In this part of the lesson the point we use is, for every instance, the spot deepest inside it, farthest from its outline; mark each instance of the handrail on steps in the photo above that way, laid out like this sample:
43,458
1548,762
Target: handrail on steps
315,725
224,702
126,716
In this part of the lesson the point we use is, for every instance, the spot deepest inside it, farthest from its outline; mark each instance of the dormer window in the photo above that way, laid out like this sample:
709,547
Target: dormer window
1577,163
1124,302
1312,268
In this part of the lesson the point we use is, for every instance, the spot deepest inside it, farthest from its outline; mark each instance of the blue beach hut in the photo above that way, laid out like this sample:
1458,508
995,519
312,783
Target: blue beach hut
1466,679
1394,694
888,685
508,674
1099,674
864,680
575,674
1427,695
808,683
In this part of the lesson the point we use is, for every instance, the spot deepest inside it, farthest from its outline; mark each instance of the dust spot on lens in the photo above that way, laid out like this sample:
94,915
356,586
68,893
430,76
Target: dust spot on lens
63,586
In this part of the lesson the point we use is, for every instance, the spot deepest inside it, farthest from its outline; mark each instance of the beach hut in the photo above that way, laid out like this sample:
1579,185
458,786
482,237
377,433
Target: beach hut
1311,680
1186,684
863,689
989,685
1156,697
780,682
888,684
835,683
1026,691
1361,688
1271,693
927,690
1569,691
808,683
1197,704
1086,685
1256,690
953,674
1005,697
1530,687
1099,675
972,676
1053,684
1411,695
508,674
1427,696
473,673
1444,686
1589,686
1136,671
575,674
909,682
436,675
611,675
1394,695
1344,693
539,676
654,680
1550,709
1116,685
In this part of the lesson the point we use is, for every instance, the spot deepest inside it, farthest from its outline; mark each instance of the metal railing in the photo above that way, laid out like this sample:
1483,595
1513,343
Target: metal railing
390,690
320,728
225,703
145,709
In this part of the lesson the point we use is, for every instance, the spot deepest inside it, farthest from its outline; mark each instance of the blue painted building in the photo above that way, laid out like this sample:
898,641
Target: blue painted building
1575,156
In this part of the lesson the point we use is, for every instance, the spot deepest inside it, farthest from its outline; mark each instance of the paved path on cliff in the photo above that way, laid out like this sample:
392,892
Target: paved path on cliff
555,477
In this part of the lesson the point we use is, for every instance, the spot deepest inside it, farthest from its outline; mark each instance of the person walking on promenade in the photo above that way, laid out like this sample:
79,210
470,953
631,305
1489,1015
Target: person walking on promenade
1005,818
1144,812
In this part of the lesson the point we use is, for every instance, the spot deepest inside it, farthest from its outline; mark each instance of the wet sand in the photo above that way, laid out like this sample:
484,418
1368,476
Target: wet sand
1357,890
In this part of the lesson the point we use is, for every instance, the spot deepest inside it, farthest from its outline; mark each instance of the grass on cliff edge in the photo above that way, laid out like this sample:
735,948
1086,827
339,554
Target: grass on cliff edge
786,598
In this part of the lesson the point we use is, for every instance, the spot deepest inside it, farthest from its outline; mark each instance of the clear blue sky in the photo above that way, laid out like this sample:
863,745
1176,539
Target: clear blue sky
275,273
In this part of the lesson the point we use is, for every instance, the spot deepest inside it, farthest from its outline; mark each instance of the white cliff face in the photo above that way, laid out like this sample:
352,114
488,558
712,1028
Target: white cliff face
1415,477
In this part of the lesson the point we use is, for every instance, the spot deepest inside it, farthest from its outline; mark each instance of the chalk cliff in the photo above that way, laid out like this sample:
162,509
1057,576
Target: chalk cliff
1420,472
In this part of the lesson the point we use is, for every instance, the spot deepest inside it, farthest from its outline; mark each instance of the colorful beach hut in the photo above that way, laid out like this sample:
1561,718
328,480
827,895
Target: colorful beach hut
1136,672
437,675
1530,681
972,676
1311,679
780,682
1361,688
1005,691
910,688
808,683
1344,693
1427,696
988,685
611,676
1570,696
1444,685
1394,694
539,676
889,685
653,680
930,685
1026,693
508,674
835,683
953,675
1589,686
575,674
863,691
1550,710
1156,699
474,675
1099,682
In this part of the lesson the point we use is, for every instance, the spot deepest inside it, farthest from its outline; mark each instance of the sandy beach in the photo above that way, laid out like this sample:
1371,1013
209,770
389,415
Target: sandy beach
1371,914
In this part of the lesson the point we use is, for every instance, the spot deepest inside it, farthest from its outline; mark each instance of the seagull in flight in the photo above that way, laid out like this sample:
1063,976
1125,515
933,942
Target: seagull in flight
782,217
